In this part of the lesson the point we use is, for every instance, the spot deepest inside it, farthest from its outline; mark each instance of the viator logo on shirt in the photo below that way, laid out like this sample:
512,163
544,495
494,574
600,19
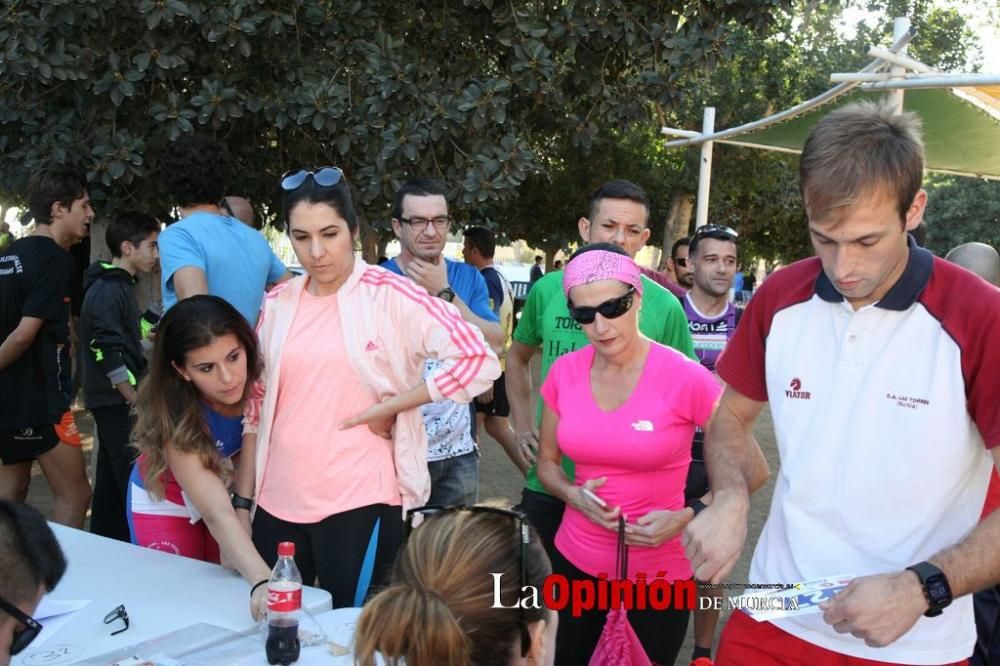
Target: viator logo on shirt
795,391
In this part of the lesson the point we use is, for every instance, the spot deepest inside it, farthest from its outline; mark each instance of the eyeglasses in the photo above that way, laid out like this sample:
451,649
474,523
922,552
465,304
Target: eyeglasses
440,223
324,177
609,309
117,614
524,534
24,637
717,231
681,261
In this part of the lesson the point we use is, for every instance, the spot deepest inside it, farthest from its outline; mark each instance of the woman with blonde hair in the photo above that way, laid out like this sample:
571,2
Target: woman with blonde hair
441,608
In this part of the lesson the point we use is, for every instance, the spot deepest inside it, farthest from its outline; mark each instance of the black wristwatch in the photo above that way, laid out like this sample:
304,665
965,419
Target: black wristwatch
697,506
240,502
447,294
936,588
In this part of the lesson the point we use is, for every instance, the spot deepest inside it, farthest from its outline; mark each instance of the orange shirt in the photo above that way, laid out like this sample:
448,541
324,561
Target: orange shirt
315,470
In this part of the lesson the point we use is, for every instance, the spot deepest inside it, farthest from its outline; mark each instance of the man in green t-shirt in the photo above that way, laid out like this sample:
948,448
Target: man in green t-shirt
619,212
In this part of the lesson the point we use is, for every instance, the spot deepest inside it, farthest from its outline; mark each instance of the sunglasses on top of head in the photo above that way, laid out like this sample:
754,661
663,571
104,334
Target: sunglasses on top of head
716,231
324,177
523,533
609,309
25,636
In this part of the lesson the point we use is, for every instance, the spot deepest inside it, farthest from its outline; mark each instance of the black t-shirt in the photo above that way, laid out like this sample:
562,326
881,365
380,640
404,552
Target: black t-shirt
34,282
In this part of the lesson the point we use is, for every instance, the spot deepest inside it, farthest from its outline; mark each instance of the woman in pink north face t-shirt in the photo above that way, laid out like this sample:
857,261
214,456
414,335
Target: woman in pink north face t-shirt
624,409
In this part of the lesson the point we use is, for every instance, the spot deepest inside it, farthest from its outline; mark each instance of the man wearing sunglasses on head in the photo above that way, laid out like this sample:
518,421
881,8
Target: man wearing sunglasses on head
619,212
208,251
421,222
712,320
32,564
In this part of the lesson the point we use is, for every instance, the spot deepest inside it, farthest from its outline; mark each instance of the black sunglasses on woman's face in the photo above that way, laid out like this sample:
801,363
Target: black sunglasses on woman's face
23,637
609,309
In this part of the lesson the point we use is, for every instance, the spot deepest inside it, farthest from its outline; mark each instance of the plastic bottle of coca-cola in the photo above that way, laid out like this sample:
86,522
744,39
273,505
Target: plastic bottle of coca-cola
284,601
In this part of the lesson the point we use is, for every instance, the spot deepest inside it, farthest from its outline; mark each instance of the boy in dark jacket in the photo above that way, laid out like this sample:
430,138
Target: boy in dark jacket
112,360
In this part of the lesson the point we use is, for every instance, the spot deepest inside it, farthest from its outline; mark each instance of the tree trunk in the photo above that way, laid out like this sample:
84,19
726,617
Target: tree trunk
369,240
678,220
383,244
550,257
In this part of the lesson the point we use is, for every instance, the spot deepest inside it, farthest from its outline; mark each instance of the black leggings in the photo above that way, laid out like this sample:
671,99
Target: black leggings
114,465
351,552
661,632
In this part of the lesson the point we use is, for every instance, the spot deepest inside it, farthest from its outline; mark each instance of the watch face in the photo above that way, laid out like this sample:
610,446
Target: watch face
937,589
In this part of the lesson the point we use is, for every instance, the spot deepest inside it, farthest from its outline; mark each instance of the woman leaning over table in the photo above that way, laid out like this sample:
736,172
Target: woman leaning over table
340,448
624,408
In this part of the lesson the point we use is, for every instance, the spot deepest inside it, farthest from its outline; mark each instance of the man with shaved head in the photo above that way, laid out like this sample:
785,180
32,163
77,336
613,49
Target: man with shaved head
979,258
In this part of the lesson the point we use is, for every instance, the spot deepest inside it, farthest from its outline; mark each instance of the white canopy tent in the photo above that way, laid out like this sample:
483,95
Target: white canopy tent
960,114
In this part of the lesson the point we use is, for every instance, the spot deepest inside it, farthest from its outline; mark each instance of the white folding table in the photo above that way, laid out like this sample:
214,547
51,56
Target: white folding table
161,593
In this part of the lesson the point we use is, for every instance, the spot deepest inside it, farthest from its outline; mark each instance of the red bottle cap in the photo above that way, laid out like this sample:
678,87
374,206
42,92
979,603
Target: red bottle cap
286,549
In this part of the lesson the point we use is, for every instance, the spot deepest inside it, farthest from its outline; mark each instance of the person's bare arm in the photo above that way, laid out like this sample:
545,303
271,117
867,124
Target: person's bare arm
714,539
434,277
189,281
127,391
284,278
518,378
19,340
880,609
552,476
211,498
492,332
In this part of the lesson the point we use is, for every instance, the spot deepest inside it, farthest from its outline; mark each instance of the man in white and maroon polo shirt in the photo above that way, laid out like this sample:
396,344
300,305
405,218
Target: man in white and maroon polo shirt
881,364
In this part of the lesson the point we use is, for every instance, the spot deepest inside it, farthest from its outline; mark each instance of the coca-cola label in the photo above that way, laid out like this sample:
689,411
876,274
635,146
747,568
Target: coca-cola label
284,601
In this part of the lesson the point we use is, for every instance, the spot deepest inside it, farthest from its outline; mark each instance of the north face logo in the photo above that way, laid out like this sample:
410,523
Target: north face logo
795,390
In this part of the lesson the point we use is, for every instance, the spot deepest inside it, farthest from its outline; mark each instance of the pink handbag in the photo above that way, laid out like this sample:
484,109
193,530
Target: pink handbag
618,644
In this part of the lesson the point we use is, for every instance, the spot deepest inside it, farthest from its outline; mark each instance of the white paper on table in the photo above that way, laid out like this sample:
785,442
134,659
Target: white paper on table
52,614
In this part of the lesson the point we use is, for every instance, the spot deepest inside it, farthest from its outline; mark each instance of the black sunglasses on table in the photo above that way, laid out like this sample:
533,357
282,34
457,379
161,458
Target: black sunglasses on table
609,309
522,529
117,614
24,637
324,177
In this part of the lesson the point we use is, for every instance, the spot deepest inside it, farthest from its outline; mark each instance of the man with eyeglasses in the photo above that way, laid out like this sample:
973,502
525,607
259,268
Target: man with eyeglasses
619,213
32,564
207,251
421,222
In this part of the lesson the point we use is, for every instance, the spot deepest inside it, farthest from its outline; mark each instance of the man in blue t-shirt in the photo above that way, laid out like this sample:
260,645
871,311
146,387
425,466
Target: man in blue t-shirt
208,252
420,221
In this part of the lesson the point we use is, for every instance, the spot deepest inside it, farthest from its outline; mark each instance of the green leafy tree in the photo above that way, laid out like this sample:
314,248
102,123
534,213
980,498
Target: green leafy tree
754,191
961,210
470,92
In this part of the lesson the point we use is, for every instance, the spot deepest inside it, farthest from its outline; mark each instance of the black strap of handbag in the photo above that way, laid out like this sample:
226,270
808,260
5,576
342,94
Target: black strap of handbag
621,559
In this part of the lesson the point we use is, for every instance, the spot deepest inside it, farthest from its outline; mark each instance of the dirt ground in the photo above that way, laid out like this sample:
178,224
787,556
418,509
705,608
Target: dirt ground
500,479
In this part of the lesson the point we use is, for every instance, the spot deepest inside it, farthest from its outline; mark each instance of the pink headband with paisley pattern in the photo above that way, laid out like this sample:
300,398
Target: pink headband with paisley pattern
601,265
